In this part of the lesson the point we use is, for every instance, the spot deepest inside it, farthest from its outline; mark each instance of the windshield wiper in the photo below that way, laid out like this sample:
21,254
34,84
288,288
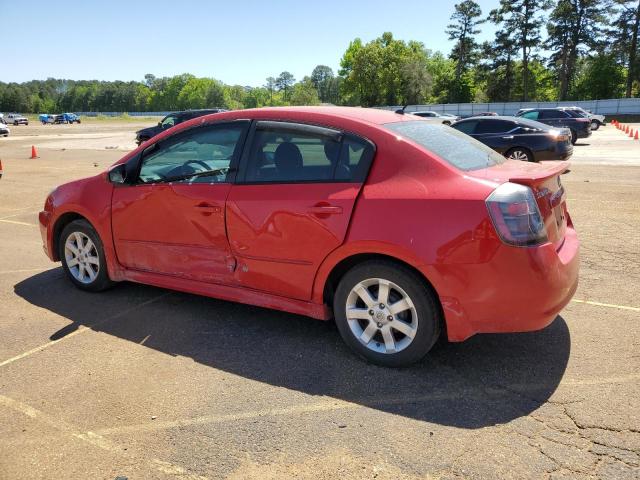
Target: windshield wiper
204,173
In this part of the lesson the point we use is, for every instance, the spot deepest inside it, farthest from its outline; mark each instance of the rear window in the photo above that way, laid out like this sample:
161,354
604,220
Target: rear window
454,147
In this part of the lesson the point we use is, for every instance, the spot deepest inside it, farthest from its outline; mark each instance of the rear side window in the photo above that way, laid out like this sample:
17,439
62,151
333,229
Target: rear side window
283,152
549,114
467,127
534,115
456,148
494,126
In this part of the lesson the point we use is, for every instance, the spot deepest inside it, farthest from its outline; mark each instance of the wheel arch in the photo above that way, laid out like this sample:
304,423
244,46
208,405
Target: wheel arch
61,222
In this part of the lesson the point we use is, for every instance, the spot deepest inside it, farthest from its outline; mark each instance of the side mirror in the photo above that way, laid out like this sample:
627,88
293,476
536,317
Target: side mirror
118,174
160,124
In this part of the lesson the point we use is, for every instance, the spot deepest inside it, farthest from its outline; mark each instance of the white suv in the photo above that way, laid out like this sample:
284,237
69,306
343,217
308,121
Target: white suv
16,119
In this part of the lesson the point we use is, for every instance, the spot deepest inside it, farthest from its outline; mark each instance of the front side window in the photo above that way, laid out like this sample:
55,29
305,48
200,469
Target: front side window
290,153
201,155
533,115
454,147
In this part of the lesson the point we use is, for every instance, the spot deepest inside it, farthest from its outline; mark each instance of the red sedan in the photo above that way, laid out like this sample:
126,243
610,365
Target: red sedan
400,229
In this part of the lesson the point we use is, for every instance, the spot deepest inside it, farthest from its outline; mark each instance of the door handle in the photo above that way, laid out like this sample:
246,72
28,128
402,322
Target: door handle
207,208
509,137
323,209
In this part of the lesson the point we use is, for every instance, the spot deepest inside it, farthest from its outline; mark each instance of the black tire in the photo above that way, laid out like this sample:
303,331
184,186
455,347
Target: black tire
519,152
429,317
595,125
574,137
447,123
102,280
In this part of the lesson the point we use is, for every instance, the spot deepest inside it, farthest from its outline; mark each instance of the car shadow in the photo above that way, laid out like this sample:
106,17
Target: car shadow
581,144
486,380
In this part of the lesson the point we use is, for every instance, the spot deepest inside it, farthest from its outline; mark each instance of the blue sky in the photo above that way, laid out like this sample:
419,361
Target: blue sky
238,42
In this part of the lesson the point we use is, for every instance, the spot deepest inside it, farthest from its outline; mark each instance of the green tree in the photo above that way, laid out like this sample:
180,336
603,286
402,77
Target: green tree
625,46
322,78
574,27
270,86
600,77
284,82
521,20
466,19
305,93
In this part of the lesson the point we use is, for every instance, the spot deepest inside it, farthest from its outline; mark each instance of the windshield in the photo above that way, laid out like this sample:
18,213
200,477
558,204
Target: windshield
456,148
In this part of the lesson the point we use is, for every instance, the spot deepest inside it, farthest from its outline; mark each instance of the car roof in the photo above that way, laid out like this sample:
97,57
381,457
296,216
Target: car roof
369,115
518,120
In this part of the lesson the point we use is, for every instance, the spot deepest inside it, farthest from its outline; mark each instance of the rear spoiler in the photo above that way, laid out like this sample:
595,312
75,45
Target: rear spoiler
551,169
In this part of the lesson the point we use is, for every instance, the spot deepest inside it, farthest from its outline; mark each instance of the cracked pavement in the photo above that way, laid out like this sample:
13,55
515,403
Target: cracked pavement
145,383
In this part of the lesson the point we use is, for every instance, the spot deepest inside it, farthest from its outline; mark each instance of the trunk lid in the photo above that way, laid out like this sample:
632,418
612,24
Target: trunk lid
544,180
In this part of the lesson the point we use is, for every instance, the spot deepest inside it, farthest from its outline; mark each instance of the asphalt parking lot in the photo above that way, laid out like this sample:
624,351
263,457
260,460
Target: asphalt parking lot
144,383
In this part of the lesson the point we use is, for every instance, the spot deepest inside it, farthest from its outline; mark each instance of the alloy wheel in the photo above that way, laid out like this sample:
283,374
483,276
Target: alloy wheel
381,315
81,257
518,155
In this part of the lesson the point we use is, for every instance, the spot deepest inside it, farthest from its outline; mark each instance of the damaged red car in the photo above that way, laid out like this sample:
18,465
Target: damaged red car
400,229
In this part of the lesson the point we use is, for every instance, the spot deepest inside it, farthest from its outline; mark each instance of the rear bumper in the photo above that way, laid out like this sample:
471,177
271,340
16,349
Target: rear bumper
519,290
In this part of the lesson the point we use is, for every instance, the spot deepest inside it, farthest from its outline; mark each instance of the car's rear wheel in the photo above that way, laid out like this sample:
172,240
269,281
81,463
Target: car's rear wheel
521,154
82,256
574,137
595,125
386,313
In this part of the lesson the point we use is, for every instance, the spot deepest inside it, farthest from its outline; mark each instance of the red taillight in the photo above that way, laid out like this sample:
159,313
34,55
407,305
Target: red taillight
515,215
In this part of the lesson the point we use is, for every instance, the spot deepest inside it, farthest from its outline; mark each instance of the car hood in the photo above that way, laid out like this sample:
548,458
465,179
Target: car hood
149,130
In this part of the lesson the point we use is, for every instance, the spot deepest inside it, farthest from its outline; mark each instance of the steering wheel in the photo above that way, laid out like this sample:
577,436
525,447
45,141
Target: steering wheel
198,162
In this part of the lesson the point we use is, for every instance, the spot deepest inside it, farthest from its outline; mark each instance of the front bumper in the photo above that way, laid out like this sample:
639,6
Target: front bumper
518,290
44,221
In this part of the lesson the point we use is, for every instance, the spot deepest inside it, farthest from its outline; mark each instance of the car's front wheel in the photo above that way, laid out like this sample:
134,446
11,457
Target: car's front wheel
82,256
595,125
386,313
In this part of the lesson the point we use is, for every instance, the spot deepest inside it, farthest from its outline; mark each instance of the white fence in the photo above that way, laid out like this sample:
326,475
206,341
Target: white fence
616,106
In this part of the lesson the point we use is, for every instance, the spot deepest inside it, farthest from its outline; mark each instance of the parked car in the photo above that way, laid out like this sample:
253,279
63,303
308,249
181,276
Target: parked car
557,117
519,138
596,120
66,118
4,130
446,119
16,119
399,228
171,120
485,114
46,118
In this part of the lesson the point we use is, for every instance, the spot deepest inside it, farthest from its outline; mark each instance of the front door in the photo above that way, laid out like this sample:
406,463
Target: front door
171,218
291,204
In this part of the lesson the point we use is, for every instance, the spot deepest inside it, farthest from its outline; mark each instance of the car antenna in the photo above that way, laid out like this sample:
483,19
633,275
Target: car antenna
401,110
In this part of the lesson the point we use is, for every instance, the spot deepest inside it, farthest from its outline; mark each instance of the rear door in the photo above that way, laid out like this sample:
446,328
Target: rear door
292,202
497,134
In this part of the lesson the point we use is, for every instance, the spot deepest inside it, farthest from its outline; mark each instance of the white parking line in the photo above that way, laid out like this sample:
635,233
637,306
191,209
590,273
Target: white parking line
608,305
80,329
14,222
95,439
330,404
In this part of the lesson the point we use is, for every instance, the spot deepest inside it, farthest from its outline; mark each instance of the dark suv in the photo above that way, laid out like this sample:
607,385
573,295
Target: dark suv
558,117
170,120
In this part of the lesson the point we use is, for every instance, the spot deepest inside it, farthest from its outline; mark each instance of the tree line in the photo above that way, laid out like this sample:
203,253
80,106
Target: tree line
590,51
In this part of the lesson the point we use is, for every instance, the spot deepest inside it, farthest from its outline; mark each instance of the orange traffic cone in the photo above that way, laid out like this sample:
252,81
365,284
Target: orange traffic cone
34,152
613,122
631,132
0,168
635,138
626,130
